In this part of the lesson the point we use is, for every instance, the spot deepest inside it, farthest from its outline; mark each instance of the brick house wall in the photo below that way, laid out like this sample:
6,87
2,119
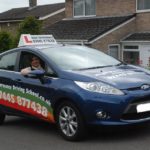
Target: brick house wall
51,20
13,27
114,37
107,7
115,7
9,27
143,21
69,8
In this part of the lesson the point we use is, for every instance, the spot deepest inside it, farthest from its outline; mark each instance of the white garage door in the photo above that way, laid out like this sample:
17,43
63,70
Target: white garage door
145,55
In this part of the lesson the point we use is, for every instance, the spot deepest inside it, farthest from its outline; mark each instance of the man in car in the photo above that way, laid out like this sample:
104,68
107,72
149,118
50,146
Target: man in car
35,64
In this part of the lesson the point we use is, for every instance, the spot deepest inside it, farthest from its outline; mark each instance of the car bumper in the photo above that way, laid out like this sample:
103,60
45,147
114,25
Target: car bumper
118,110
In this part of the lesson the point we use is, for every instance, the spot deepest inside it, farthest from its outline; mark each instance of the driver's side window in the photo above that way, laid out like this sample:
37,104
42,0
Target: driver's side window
30,61
26,60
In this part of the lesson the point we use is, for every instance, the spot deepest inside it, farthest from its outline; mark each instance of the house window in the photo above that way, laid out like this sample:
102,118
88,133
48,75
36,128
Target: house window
131,57
114,51
129,47
143,5
84,7
131,54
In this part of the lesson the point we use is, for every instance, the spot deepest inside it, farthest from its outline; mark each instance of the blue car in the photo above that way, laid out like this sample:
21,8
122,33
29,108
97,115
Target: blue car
78,87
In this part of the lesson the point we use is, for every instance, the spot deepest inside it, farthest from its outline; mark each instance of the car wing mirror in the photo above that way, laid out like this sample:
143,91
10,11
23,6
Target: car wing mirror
37,73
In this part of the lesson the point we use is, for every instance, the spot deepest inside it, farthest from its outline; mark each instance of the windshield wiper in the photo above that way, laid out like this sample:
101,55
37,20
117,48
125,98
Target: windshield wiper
121,63
96,67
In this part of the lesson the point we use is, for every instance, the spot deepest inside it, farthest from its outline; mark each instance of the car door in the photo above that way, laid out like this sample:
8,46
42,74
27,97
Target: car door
35,93
30,96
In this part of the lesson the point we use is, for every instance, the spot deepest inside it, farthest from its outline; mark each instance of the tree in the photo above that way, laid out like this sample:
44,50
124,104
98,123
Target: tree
5,41
30,26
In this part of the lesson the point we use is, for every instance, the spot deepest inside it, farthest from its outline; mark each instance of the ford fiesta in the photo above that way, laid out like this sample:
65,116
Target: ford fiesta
80,86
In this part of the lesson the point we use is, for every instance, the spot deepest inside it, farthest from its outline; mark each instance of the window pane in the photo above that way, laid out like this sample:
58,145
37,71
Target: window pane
143,4
131,57
8,61
140,4
78,7
114,51
146,4
90,7
131,47
25,60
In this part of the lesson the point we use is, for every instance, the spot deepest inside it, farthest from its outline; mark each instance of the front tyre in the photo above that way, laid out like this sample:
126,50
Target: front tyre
70,122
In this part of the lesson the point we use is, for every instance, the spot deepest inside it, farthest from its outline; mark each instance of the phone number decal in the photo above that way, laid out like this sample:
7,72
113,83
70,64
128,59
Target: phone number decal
23,104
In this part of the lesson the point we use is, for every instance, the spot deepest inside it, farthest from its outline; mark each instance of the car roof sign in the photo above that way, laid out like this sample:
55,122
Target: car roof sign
36,40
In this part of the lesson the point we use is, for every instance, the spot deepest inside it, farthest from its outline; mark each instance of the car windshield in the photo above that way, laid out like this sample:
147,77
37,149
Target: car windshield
79,57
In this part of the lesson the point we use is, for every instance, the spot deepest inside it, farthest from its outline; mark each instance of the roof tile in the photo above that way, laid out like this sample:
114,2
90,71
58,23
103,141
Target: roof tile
145,36
38,11
84,29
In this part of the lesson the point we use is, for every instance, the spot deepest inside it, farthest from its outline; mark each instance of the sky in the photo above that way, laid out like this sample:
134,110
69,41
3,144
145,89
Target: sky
8,4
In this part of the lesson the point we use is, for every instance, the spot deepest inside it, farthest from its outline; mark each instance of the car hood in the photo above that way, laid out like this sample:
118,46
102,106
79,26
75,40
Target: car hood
122,77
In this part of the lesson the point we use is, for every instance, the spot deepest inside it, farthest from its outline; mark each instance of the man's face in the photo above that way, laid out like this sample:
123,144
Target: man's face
35,62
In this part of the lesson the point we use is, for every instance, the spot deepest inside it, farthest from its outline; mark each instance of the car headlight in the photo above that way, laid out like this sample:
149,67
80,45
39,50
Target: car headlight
99,87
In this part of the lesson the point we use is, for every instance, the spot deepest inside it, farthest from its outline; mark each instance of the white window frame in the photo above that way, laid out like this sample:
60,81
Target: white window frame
140,11
84,12
129,50
118,45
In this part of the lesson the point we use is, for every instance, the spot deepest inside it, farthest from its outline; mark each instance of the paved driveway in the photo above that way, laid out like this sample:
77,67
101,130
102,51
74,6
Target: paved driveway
23,134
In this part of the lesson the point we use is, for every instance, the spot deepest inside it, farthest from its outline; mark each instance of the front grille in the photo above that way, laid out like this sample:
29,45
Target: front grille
131,112
136,116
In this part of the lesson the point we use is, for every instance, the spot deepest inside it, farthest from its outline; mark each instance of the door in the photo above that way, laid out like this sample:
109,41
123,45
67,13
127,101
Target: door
25,95
36,93
131,57
145,56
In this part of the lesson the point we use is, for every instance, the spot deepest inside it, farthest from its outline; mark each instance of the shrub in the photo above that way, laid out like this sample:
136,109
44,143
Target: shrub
29,26
5,41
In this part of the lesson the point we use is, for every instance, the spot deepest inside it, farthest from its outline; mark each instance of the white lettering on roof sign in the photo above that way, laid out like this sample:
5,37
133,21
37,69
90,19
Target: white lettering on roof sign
28,40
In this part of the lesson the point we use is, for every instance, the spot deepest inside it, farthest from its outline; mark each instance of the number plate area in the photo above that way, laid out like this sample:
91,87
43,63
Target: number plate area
143,108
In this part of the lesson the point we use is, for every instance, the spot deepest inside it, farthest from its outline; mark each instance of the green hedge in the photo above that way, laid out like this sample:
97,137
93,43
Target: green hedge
6,41
29,26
